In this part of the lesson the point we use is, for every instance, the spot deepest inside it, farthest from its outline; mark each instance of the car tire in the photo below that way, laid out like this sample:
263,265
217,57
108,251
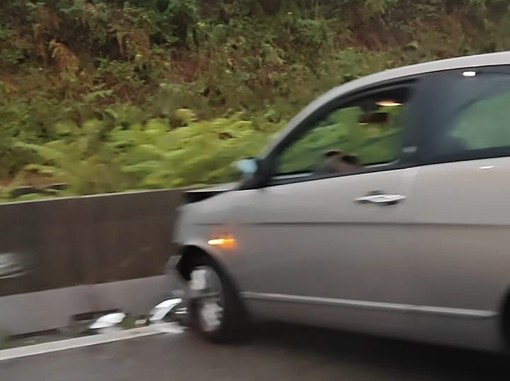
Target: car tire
216,310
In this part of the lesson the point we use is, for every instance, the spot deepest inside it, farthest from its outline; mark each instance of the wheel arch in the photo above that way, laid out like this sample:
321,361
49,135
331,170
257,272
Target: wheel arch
191,251
186,254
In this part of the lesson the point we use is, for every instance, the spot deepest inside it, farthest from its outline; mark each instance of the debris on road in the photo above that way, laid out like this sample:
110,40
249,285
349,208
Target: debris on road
108,322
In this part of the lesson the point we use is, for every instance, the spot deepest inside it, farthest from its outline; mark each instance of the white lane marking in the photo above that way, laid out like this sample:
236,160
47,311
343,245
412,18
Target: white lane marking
63,345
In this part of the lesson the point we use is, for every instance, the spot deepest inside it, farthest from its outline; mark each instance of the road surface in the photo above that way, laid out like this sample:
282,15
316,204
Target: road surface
278,352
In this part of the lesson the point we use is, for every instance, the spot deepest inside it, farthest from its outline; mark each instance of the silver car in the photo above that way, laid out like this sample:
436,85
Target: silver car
383,207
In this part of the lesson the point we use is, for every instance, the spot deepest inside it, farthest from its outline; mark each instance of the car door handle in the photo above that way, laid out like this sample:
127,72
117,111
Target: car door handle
381,199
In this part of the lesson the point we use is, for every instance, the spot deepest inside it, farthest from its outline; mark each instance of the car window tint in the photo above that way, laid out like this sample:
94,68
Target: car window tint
475,120
485,123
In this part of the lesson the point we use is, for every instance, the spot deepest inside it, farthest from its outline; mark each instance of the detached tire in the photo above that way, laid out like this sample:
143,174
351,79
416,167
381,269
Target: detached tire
216,310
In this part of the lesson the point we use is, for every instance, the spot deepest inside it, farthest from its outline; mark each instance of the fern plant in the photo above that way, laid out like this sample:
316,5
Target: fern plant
203,152
79,159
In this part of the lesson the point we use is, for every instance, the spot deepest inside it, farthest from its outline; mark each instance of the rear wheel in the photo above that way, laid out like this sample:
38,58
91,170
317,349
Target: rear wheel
216,309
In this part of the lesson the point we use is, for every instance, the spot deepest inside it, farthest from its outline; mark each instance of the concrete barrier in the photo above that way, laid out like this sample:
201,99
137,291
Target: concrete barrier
75,255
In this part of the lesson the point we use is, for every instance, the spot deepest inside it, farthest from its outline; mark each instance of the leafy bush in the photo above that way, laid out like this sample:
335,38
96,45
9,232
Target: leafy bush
79,159
202,152
93,159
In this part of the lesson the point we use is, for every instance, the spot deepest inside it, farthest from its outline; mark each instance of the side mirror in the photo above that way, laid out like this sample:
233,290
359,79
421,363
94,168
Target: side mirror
247,167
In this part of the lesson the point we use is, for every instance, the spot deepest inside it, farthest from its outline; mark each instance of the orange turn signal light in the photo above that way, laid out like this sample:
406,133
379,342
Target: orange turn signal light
227,243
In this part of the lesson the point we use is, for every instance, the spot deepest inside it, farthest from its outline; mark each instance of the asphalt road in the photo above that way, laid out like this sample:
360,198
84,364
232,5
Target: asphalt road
277,353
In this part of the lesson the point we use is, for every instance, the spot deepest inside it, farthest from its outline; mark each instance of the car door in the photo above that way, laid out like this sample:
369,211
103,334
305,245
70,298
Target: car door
335,241
461,210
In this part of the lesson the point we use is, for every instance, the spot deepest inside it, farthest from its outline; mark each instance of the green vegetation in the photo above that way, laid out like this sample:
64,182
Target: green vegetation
116,95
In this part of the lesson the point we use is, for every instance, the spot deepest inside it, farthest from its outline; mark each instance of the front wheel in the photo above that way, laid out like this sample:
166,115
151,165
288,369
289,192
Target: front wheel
217,311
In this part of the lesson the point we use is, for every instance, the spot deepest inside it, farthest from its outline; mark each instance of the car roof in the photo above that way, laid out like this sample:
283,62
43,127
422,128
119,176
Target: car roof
491,59
473,61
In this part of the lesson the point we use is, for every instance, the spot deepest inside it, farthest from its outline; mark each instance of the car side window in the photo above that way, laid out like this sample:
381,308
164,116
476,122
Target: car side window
477,123
361,133
485,123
